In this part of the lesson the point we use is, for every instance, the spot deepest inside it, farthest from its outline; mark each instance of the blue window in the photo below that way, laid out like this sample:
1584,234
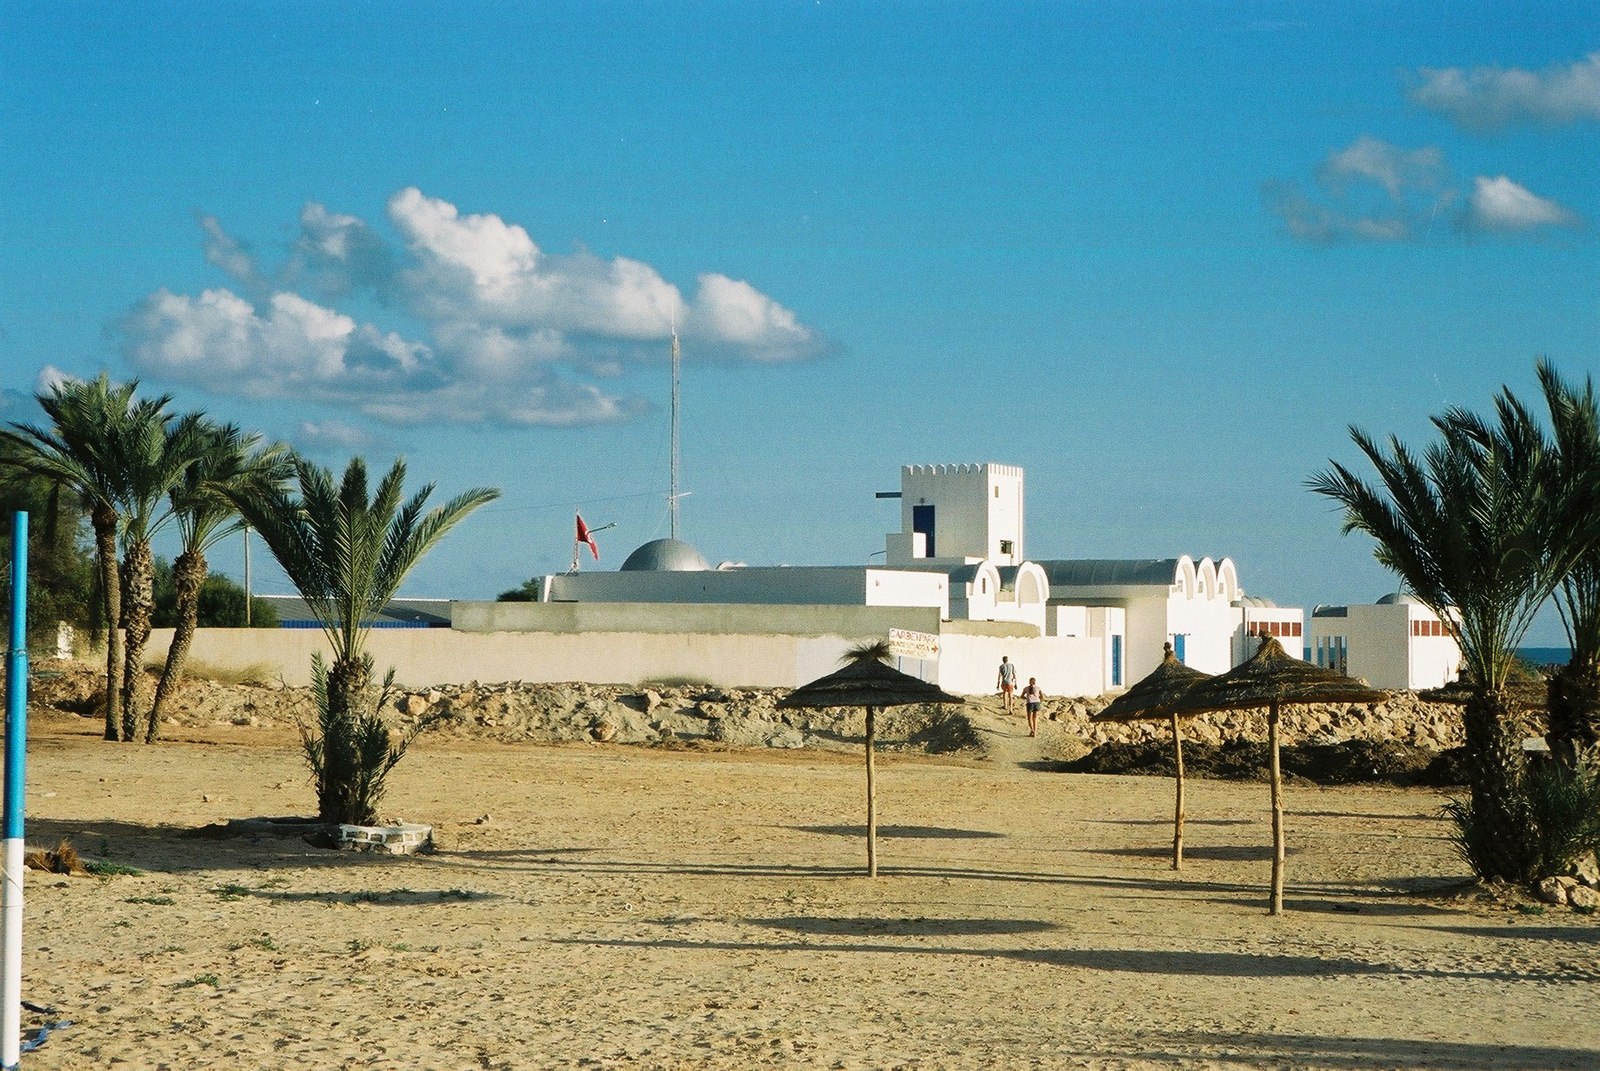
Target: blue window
1177,645
922,521
1116,661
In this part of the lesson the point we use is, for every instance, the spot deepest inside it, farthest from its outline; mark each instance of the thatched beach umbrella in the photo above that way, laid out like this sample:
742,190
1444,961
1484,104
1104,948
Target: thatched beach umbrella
866,681
1272,679
1154,699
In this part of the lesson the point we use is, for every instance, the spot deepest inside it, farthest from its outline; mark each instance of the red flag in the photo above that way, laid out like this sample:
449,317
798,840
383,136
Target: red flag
584,536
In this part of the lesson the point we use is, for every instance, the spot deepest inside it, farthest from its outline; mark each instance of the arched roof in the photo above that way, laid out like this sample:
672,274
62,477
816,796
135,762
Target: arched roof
1097,572
1395,598
665,556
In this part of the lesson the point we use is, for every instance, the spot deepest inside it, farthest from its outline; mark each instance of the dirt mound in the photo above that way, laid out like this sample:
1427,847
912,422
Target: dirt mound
1394,741
1347,763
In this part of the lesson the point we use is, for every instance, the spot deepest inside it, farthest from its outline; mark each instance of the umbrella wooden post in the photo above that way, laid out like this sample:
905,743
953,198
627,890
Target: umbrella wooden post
1277,812
872,801
1177,816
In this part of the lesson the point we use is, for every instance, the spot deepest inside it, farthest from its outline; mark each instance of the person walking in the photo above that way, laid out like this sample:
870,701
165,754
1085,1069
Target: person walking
1032,696
1006,685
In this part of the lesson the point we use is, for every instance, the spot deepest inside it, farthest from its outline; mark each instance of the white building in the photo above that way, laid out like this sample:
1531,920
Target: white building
1395,643
1081,627
1198,607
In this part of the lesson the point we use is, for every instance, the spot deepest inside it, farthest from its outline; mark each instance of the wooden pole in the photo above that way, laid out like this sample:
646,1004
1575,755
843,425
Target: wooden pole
1277,811
872,801
1177,817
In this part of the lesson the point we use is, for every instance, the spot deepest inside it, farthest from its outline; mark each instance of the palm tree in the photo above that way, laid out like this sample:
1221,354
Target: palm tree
154,452
347,553
226,460
80,451
1465,527
1574,690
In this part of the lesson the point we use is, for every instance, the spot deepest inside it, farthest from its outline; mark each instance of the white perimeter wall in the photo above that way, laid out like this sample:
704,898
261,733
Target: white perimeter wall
1065,665
426,657
735,646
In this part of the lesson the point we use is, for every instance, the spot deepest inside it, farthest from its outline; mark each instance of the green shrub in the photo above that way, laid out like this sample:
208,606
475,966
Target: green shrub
351,752
1561,809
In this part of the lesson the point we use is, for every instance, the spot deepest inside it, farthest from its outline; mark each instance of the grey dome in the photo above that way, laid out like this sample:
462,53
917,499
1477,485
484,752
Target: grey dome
1399,598
1257,601
665,556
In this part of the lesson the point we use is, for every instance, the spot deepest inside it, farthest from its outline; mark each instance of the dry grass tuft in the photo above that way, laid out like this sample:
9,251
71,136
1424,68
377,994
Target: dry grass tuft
62,859
255,673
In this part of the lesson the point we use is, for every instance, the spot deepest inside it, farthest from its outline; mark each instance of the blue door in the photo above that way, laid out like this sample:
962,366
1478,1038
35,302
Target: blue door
1116,661
1177,645
922,521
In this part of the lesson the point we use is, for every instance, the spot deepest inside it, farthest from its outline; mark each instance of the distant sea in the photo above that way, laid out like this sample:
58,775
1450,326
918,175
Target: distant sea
1545,656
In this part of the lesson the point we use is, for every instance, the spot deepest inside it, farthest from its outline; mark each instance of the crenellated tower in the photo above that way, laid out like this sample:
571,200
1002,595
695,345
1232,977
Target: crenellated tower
959,513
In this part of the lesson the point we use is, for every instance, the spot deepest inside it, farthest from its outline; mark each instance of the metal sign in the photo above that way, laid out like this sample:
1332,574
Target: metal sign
907,644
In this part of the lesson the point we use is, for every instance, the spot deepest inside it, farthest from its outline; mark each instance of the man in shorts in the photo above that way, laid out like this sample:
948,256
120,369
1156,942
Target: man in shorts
1032,696
1006,685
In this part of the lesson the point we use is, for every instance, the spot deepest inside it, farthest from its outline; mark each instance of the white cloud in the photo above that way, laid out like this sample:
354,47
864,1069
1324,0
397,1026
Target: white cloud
229,254
1488,98
480,268
733,313
504,326
1499,204
1392,168
292,348
298,350
1372,191
48,378
330,434
336,254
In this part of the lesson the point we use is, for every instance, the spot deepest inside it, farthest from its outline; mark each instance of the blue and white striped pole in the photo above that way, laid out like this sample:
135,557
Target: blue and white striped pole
16,761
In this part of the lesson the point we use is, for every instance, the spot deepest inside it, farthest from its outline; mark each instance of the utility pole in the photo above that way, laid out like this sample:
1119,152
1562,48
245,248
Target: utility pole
247,595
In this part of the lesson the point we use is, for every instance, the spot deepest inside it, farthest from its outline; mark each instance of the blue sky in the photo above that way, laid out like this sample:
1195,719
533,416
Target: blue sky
1159,255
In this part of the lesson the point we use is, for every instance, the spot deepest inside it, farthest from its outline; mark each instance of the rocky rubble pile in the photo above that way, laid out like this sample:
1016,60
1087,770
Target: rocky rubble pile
744,717
619,714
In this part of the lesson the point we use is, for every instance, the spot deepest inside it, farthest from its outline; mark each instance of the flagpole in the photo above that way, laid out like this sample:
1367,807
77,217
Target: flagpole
672,498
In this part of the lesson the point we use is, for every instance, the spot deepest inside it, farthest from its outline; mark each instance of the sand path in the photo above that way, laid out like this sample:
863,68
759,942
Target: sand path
632,908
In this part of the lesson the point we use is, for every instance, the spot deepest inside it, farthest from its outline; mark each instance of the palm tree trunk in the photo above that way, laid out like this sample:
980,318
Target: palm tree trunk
336,785
138,604
1495,769
1574,703
104,519
188,573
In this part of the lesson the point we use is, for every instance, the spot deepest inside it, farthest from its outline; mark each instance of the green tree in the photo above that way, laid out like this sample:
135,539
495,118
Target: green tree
1574,689
347,551
81,452
226,461
221,603
154,450
61,573
1466,527
527,591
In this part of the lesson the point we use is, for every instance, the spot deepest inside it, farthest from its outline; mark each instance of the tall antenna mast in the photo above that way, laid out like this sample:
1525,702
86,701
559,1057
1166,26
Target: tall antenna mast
672,498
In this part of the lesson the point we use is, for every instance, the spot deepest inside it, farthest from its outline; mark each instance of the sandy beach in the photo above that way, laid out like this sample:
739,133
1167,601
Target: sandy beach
606,906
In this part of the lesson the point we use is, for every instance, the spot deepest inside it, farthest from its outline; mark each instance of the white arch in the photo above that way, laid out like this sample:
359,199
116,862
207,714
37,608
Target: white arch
1033,586
1184,579
1206,579
1228,580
